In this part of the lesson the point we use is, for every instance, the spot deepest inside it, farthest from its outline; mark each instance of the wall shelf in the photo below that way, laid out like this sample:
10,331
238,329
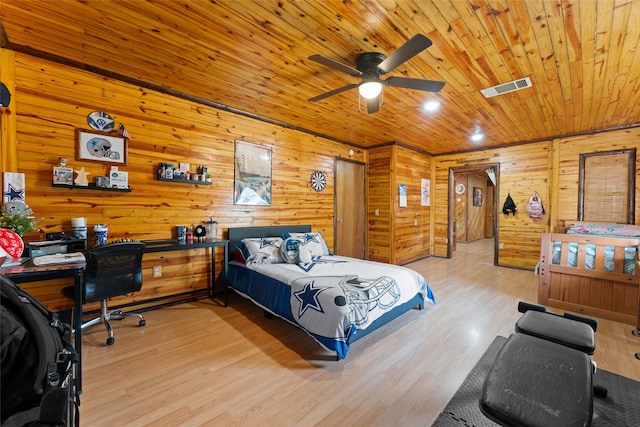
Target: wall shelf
185,181
91,186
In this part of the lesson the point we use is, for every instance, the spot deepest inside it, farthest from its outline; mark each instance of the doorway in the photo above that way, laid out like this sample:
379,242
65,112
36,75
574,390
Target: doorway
473,205
350,208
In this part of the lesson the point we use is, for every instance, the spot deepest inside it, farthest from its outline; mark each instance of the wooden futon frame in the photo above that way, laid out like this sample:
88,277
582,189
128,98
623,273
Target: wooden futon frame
583,284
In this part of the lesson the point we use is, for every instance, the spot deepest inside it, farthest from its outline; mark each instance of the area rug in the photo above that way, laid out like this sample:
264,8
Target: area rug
621,407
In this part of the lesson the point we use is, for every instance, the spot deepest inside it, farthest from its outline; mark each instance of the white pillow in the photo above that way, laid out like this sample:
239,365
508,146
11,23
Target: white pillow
314,242
261,251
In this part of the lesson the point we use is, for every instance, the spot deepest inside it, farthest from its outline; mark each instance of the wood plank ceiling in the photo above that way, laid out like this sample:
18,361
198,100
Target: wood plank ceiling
252,56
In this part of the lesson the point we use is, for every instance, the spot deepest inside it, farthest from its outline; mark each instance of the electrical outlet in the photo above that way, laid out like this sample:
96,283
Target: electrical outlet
157,271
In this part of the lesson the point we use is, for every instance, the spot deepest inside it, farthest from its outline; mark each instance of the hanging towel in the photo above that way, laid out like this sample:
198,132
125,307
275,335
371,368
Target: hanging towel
13,188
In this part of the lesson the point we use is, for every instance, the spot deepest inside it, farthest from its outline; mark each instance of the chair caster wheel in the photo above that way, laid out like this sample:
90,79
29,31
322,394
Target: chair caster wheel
142,323
111,340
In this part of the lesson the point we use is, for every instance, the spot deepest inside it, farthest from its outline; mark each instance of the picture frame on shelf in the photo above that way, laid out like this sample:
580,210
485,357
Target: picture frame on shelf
62,175
93,146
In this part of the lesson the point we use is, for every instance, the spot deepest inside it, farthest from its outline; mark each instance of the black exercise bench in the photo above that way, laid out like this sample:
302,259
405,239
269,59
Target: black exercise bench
543,376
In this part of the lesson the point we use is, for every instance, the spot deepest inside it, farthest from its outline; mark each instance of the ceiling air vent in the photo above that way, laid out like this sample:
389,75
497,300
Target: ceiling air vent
506,87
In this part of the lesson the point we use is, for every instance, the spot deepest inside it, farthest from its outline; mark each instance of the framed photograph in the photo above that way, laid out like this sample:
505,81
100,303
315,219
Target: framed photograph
252,180
477,196
96,146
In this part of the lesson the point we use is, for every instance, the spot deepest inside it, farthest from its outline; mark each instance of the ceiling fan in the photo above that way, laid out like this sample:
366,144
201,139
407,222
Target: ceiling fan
371,65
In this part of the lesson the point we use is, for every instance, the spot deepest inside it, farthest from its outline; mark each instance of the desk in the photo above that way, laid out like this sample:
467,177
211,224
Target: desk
172,245
31,273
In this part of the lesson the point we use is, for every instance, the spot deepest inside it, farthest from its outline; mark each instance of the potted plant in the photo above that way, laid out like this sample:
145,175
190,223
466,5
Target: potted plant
18,223
207,177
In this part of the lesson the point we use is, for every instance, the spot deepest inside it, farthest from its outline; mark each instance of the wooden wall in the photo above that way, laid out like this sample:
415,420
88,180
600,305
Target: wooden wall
380,201
411,223
397,234
523,170
53,100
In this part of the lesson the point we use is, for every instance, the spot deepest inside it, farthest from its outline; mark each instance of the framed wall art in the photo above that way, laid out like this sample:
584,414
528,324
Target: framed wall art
402,195
477,196
252,180
95,146
425,192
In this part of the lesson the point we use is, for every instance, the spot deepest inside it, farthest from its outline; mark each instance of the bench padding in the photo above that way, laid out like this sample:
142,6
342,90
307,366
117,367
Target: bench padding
561,330
534,382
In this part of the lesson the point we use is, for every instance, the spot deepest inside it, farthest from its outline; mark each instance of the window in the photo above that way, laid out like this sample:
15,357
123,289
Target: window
606,187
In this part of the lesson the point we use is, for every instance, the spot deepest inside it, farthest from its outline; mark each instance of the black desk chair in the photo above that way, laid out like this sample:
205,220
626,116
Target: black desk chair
111,270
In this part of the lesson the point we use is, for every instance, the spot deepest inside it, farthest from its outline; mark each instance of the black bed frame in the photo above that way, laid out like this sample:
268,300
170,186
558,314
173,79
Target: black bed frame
237,234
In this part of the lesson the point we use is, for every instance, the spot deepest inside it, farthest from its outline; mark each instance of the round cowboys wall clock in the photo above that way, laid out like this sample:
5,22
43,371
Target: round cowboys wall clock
318,180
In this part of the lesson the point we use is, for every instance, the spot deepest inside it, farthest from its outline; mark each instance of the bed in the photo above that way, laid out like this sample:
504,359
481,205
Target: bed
336,300
592,269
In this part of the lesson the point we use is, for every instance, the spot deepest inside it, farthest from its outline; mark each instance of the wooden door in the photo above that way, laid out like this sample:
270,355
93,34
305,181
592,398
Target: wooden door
489,211
350,220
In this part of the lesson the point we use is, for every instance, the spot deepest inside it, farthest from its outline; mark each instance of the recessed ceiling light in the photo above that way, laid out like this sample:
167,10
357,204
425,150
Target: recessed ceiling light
477,137
431,106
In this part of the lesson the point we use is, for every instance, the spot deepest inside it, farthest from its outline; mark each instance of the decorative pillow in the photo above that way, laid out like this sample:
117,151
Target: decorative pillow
303,258
238,256
261,251
289,248
314,242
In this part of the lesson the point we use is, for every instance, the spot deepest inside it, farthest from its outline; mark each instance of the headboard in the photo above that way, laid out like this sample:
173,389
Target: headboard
237,234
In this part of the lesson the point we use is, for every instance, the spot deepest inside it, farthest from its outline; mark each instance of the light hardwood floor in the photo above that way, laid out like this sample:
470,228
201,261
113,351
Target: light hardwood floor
204,364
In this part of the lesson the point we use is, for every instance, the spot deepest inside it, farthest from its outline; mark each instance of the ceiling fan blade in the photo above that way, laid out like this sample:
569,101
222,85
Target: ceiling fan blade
333,92
419,84
411,48
335,65
373,105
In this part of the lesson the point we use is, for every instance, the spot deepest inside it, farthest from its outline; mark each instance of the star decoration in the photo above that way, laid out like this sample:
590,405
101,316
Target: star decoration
308,298
269,242
311,237
14,193
81,179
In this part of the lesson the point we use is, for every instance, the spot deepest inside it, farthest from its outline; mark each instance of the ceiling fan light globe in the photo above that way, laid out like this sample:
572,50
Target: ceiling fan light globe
370,90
